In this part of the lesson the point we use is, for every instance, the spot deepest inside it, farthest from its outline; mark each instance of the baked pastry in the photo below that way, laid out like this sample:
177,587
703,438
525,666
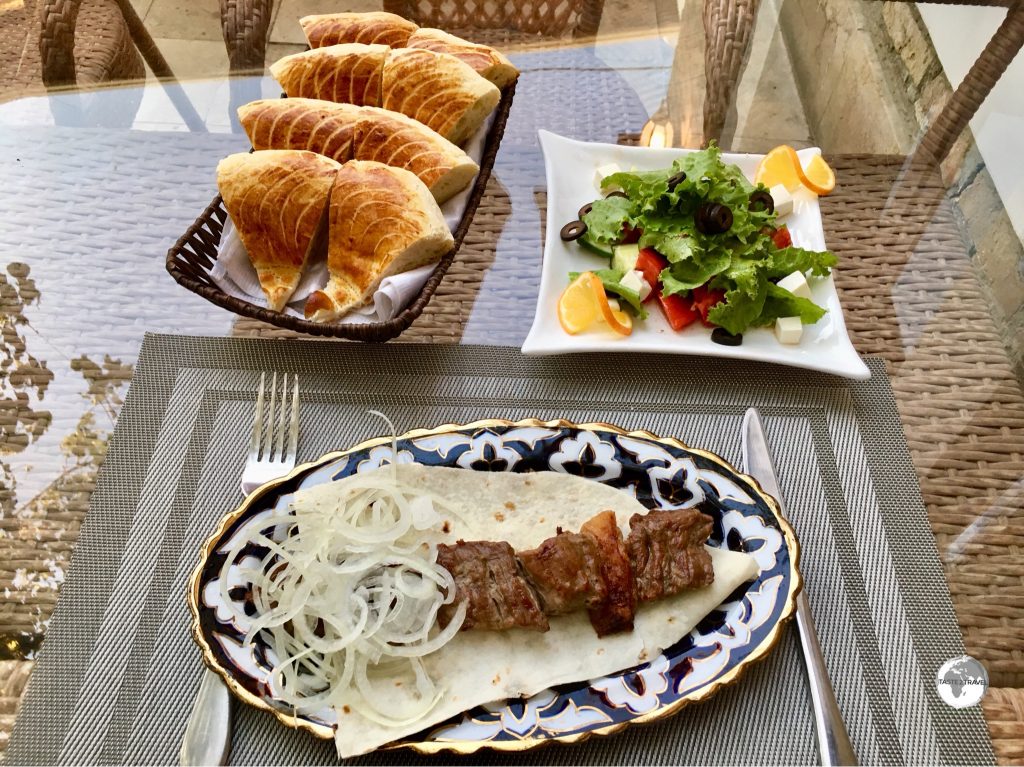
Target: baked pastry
485,61
349,73
437,89
344,132
383,221
319,126
375,27
399,141
276,200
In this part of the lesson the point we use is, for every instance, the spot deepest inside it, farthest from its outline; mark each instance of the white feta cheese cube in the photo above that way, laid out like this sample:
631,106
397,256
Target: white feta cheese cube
603,172
796,284
789,330
634,280
645,289
783,200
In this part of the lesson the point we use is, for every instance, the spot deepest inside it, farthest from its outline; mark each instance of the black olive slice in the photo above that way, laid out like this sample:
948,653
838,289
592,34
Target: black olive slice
616,193
713,218
585,210
725,338
676,180
761,200
573,231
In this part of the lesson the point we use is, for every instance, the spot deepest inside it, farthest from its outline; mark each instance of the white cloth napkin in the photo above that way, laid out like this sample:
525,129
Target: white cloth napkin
233,272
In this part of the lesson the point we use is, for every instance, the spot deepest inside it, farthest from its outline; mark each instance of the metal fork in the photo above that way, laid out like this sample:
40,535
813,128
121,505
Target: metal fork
207,737
269,458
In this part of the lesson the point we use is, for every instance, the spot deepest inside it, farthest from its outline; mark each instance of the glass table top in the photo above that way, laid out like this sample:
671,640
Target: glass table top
927,220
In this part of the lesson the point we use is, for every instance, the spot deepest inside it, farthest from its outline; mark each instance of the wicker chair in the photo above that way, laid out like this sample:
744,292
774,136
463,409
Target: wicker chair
86,42
245,25
551,18
728,27
38,46
92,41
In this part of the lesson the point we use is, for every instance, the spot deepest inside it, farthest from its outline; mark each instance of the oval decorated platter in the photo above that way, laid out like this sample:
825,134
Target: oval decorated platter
662,473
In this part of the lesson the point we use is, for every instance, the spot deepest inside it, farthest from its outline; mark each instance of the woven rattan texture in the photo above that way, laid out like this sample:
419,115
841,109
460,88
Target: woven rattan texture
88,39
549,18
1004,711
245,24
728,27
118,669
911,296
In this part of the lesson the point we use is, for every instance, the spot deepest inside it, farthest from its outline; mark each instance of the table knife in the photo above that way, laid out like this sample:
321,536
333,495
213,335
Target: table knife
833,741
208,733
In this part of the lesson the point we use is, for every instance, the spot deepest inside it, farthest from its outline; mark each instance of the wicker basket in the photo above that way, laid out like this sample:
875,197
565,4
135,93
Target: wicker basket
195,253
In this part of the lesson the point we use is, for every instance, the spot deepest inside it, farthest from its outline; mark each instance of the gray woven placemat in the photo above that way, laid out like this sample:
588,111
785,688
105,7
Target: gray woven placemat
116,676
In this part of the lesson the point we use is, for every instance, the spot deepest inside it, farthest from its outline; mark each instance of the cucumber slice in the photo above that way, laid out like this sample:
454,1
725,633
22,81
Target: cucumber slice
593,245
624,257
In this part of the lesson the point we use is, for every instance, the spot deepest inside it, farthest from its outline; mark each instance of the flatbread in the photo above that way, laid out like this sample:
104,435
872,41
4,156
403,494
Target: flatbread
477,667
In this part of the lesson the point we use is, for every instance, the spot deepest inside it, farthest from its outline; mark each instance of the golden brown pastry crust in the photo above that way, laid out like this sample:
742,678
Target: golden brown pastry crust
399,141
383,220
375,27
489,63
437,89
349,73
298,123
276,200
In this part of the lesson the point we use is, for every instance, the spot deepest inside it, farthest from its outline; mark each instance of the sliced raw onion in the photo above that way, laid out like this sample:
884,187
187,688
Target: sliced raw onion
347,597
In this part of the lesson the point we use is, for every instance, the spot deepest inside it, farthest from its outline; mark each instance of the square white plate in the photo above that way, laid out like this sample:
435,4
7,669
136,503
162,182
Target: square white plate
570,167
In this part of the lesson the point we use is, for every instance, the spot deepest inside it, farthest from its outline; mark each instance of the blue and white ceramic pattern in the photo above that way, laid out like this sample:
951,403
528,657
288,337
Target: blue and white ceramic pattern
661,473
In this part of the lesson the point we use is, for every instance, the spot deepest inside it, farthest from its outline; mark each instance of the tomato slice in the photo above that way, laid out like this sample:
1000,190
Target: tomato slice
650,263
677,311
781,237
704,298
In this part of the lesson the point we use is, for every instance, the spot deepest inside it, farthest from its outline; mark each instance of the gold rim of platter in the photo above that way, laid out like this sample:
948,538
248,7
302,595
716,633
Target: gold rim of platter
471,746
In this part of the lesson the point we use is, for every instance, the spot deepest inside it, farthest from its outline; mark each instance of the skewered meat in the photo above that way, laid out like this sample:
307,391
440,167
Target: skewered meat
488,576
616,612
666,551
566,573
593,570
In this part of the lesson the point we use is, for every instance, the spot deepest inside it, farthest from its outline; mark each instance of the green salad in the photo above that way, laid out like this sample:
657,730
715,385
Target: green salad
706,241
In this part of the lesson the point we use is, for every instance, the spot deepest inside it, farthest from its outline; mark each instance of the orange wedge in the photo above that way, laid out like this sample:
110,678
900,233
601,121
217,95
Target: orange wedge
779,166
617,319
817,176
584,302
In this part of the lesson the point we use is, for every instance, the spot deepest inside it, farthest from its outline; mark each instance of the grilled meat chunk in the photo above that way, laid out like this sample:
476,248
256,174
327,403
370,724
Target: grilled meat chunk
615,613
566,573
487,576
667,553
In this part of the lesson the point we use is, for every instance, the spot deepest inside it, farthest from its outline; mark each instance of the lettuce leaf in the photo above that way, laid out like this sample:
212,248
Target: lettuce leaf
784,261
607,217
639,185
674,247
739,310
779,302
